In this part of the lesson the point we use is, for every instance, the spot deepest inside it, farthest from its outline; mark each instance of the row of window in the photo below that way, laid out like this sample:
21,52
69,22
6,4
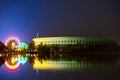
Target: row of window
77,41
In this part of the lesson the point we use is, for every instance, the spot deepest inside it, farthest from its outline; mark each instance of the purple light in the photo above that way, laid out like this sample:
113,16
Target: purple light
12,38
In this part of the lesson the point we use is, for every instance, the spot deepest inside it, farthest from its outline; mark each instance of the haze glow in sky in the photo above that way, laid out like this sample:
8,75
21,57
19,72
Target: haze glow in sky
26,18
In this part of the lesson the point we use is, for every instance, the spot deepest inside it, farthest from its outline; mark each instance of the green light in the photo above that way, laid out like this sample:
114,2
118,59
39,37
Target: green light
23,45
23,60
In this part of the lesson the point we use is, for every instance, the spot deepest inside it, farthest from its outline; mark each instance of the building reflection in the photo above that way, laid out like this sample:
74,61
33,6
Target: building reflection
57,62
68,62
50,64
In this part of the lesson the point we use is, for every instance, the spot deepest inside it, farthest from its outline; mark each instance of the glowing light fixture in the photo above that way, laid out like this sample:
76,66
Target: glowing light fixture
23,45
13,65
23,60
12,38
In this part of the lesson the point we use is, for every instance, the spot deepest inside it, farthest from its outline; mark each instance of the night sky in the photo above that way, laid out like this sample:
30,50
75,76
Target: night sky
25,18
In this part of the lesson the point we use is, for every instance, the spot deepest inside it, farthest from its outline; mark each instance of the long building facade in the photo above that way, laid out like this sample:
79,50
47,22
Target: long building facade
73,40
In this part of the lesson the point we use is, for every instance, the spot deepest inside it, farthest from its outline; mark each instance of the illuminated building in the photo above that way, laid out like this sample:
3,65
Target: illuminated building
65,64
50,64
73,40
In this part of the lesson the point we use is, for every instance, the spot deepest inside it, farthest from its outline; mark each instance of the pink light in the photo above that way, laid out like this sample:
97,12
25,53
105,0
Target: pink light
12,38
13,67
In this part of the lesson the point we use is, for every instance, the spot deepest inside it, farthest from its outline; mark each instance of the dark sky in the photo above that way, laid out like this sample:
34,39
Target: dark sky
25,18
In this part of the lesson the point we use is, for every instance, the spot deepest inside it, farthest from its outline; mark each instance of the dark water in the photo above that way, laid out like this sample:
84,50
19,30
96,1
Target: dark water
59,67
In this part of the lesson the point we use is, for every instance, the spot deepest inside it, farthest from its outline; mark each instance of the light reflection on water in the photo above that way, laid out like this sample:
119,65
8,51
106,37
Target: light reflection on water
41,64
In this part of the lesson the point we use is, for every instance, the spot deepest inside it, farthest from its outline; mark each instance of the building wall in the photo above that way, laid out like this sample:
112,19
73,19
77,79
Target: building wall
72,40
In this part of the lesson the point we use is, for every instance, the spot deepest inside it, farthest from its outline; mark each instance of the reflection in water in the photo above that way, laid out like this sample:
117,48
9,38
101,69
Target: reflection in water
59,67
60,62
67,65
50,64
23,59
67,62
13,61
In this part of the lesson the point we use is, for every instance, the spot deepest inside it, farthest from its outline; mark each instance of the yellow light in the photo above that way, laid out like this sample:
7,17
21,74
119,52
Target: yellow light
48,64
13,60
12,67
13,64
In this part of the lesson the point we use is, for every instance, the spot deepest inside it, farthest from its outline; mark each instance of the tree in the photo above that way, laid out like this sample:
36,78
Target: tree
31,46
2,46
44,50
12,44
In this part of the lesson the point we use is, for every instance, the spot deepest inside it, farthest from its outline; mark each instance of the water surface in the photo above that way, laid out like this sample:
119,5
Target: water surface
59,67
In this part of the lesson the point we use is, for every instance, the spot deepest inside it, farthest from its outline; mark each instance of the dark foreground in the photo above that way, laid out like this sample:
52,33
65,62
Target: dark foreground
59,67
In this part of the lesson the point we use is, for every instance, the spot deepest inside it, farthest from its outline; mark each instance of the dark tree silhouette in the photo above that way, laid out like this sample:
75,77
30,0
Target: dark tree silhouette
2,46
31,46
